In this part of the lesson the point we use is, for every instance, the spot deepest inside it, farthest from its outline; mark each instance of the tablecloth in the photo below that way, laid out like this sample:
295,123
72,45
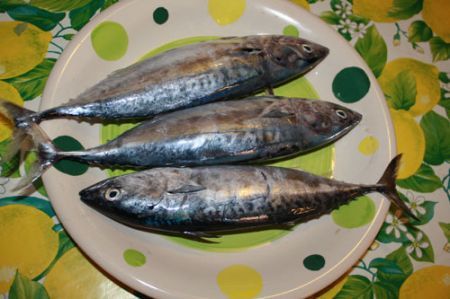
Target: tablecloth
406,44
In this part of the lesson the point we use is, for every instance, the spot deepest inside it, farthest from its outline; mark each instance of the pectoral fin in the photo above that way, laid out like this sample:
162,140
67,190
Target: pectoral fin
277,114
188,188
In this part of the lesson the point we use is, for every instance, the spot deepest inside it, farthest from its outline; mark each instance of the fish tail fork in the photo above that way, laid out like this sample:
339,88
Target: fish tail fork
25,127
21,119
47,155
387,182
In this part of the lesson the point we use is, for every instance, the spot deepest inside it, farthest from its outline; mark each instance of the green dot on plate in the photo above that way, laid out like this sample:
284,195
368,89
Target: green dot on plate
134,258
355,214
291,30
351,84
314,262
109,40
160,15
67,143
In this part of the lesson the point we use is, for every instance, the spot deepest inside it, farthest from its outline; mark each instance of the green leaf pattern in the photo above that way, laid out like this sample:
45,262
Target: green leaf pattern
379,277
401,92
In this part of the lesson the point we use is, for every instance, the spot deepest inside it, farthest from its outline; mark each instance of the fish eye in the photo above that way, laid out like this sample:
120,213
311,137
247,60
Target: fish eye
112,194
307,49
341,113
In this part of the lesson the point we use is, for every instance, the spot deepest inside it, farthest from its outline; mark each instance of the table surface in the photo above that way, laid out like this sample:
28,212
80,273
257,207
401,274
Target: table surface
411,62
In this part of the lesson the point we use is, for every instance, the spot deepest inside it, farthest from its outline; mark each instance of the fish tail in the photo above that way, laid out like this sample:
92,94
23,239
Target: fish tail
387,182
46,152
21,118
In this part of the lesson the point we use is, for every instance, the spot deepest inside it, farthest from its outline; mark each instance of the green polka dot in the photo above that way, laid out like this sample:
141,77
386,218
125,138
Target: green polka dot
109,40
351,85
291,30
314,262
134,258
160,15
355,214
67,143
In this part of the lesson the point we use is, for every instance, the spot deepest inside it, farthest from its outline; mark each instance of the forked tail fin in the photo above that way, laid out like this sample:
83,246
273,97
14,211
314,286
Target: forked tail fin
389,190
21,118
24,122
46,153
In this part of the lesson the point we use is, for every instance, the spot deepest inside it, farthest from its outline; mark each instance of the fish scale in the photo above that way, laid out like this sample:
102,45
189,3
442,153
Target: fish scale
196,201
258,128
184,77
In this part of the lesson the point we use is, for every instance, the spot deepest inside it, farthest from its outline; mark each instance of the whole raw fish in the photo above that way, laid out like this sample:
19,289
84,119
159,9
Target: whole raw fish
257,128
192,75
197,201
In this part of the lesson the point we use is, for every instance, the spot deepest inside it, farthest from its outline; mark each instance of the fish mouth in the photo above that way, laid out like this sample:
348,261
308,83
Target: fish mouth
357,117
86,196
322,53
91,195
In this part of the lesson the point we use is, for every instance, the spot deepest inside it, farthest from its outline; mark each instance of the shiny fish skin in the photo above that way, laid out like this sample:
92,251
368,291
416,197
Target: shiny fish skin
258,128
193,201
192,75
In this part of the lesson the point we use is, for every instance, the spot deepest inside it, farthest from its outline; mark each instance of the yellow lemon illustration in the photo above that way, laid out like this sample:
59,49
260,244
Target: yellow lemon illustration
427,82
225,12
9,93
302,3
410,142
436,14
374,10
429,282
28,243
333,289
74,277
22,47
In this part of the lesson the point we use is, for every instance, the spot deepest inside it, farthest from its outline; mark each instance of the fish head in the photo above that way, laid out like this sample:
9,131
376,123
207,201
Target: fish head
290,56
325,120
125,198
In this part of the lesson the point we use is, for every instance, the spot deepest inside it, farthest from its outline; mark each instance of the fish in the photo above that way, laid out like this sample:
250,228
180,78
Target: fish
258,128
192,75
207,201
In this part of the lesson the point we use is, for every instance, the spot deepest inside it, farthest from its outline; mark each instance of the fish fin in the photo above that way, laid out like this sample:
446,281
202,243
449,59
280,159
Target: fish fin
269,91
47,154
21,118
387,181
250,50
200,236
189,188
277,114
15,145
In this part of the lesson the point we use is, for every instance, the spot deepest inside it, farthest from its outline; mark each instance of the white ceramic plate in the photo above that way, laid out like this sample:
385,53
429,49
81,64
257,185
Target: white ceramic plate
296,264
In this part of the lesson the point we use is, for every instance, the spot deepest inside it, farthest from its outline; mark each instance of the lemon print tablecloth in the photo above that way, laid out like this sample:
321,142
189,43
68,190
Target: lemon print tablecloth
406,44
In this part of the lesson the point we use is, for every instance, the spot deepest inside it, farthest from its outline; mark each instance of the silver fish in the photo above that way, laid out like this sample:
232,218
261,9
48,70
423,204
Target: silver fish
207,200
256,128
192,75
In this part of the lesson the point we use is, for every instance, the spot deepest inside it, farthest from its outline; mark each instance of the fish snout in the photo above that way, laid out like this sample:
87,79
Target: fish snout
322,51
90,195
